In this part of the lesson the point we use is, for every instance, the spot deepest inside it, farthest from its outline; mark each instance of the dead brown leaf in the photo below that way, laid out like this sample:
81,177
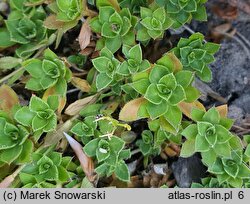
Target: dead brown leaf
74,108
81,84
86,162
85,35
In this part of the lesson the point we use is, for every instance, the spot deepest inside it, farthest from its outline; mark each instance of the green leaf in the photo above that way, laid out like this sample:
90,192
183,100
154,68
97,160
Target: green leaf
201,144
122,172
38,123
9,155
177,96
5,40
53,102
211,48
102,81
37,104
116,144
190,132
25,155
141,85
63,175
188,148
152,94
223,150
197,114
24,116
209,157
223,134
212,116
184,78
174,116
158,110
90,148
192,94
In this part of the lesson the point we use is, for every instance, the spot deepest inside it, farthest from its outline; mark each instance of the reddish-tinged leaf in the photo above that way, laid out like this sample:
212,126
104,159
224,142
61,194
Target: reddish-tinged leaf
223,110
130,111
8,98
186,108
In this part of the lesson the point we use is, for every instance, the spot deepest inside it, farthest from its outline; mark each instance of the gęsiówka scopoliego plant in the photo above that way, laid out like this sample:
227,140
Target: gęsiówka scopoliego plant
134,62
154,22
15,147
110,156
196,55
107,66
231,170
116,28
39,115
164,88
46,169
183,11
47,73
210,136
129,105
28,31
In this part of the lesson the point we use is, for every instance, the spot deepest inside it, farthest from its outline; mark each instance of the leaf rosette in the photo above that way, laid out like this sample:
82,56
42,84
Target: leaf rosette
47,73
69,10
27,30
154,22
182,11
210,136
134,62
107,66
39,115
14,143
45,168
115,27
231,170
196,55
163,88
110,155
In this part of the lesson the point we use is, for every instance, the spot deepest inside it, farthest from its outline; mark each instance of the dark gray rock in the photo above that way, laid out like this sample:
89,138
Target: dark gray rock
188,170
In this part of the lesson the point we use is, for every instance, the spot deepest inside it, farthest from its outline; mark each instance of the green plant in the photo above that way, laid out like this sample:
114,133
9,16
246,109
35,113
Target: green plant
231,170
209,182
133,5
182,11
15,147
39,115
115,27
28,31
107,66
164,88
110,156
134,62
47,73
210,136
154,22
46,168
68,10
196,55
